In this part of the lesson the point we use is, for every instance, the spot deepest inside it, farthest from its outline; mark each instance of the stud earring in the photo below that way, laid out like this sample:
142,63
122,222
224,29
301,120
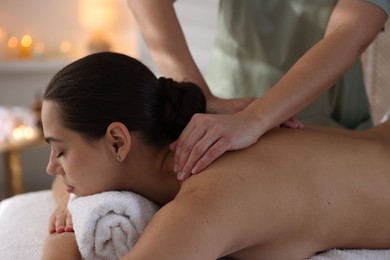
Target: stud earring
118,157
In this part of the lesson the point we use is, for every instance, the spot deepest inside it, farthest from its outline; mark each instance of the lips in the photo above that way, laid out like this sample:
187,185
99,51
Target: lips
69,188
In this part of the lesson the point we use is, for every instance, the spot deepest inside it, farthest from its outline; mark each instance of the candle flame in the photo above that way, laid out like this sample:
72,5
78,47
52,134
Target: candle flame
12,42
26,41
23,132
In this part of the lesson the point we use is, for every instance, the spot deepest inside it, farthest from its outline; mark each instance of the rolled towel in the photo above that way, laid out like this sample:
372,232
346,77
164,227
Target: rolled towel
108,224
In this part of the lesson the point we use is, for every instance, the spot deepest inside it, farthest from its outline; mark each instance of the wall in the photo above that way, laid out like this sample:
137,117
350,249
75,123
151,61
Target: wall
53,21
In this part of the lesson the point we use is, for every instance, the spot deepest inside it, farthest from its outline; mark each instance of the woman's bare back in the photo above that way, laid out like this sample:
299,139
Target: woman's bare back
307,191
291,195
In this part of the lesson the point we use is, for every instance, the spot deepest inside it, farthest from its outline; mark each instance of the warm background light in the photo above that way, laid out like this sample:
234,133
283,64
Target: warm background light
26,41
12,48
13,42
23,133
65,46
98,15
107,23
26,47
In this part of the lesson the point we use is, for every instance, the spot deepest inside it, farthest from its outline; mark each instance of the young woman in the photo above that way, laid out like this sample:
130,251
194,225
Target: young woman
109,122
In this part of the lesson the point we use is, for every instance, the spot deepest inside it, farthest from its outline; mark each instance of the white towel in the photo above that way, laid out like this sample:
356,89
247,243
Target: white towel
361,254
107,225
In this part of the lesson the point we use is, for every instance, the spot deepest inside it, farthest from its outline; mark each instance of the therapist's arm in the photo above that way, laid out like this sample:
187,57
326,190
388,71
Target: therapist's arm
166,42
353,25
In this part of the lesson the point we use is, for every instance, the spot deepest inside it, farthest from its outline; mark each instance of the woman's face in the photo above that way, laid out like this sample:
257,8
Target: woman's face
86,167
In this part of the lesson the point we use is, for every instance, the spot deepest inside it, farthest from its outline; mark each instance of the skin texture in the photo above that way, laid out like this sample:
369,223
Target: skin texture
353,25
262,202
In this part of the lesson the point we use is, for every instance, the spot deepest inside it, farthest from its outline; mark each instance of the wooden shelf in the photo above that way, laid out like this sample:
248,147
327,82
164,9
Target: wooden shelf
37,142
31,66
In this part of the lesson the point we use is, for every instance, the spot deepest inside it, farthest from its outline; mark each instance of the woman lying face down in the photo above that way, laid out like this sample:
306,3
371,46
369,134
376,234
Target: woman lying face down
110,121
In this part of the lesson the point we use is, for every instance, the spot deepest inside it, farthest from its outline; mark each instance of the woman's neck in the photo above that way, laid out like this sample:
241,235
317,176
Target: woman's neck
152,174
169,186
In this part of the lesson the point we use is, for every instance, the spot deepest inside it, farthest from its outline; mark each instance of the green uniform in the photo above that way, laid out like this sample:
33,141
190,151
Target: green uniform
259,40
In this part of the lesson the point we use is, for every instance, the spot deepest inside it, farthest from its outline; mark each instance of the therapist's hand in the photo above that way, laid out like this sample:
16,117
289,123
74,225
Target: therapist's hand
206,137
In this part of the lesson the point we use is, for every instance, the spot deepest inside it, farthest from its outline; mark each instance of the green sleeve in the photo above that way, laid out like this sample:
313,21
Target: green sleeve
384,4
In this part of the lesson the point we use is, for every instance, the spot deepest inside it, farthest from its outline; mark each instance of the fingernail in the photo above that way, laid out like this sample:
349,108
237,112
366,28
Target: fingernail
181,176
69,229
194,171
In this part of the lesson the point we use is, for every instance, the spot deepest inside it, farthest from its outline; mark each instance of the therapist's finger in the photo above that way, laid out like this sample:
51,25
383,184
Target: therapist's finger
199,150
173,146
215,151
181,141
191,134
293,123
299,124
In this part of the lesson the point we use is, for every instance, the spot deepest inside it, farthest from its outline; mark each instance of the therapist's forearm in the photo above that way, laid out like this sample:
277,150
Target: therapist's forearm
321,66
164,37
308,79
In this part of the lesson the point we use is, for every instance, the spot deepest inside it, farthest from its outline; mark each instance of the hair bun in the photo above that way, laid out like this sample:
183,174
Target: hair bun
182,101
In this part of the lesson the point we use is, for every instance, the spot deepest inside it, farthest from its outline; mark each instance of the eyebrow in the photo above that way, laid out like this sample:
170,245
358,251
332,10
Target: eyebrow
50,140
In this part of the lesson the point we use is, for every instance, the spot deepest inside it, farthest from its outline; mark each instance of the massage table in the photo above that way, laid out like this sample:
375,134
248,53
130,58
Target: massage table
24,218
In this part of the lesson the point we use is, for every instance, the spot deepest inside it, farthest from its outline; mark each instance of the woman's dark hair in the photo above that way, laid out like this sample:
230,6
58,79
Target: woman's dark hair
107,87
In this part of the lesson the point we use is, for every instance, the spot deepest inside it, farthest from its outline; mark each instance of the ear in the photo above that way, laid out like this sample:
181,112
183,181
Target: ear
119,140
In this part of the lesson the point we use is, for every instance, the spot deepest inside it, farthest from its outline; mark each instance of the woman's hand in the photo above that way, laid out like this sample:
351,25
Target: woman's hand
61,246
61,220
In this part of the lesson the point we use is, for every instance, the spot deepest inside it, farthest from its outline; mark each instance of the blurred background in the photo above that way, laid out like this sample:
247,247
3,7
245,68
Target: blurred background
38,38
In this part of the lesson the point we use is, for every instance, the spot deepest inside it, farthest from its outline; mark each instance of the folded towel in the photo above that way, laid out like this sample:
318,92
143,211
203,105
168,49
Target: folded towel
361,254
108,224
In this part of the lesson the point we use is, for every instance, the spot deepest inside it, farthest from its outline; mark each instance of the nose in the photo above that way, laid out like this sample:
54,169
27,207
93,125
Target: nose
53,167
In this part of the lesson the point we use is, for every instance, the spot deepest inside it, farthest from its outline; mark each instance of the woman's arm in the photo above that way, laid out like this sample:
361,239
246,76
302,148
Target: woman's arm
352,27
165,39
61,246
189,227
61,241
